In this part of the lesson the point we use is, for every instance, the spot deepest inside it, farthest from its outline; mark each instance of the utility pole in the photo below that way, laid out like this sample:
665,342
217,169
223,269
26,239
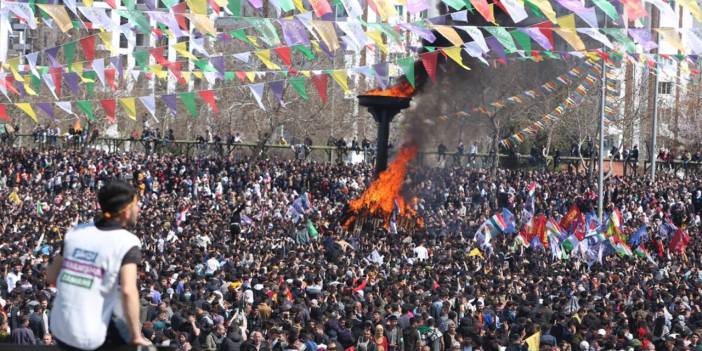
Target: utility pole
653,96
600,167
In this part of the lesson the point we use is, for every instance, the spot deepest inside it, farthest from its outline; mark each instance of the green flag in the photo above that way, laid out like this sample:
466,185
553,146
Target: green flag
130,4
138,19
607,8
69,51
87,107
90,87
502,35
523,40
535,9
286,5
170,3
311,230
229,76
188,100
235,7
305,51
298,83
267,30
407,66
141,57
36,83
455,4
241,35
622,37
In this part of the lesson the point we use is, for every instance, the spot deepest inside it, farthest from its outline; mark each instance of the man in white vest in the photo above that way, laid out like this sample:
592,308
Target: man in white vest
95,273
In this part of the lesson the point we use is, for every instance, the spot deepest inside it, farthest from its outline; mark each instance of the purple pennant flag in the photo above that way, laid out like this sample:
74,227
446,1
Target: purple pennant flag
277,89
52,55
152,4
218,63
223,37
257,4
47,107
294,32
643,37
170,101
496,47
381,74
538,37
116,62
71,78
324,48
423,33
20,88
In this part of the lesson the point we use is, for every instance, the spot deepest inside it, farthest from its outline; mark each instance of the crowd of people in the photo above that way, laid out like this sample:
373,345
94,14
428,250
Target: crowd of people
230,263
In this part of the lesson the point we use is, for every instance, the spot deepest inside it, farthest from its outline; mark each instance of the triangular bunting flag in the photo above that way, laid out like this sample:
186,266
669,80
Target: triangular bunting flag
209,97
429,61
27,108
257,92
320,83
129,106
110,107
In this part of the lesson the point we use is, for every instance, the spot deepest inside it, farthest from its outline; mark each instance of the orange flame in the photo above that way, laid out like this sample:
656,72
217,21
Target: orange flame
403,89
380,197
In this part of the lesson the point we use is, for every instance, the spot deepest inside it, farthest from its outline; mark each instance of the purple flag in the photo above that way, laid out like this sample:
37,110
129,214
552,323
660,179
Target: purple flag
47,107
257,4
152,4
381,74
496,47
643,37
20,88
416,6
277,89
423,33
324,48
294,32
52,55
218,63
71,79
116,62
538,37
171,102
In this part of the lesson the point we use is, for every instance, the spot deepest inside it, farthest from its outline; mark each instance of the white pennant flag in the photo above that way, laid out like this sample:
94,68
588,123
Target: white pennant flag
257,91
3,88
135,75
474,50
32,61
71,4
243,56
515,9
99,67
477,35
694,42
211,77
65,106
50,83
666,11
353,8
594,33
98,17
198,44
462,16
150,103
23,11
306,20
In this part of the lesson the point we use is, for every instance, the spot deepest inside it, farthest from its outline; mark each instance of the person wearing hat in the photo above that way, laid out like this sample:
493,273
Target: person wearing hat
95,274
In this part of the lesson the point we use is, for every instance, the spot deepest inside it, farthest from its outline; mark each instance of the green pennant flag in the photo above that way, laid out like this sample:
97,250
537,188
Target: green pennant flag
523,40
137,18
622,37
311,230
69,51
87,107
241,35
188,100
229,76
502,35
455,4
90,87
607,8
287,5
130,4
469,6
552,55
141,57
204,65
268,33
389,32
535,9
36,83
76,24
298,83
170,3
235,7
430,48
305,51
407,66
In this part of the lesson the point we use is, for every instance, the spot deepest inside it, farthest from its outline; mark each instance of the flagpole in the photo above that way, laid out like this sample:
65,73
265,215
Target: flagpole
654,123
600,176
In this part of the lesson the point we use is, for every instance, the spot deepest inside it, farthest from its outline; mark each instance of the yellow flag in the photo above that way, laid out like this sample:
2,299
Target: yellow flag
59,14
327,33
27,108
13,63
251,76
158,71
88,3
455,54
186,76
315,46
106,38
534,341
377,38
181,49
340,77
546,9
28,87
299,6
449,33
475,252
197,6
77,67
202,23
253,40
671,36
198,75
129,106
568,33
265,57
693,7
384,9
306,73
567,21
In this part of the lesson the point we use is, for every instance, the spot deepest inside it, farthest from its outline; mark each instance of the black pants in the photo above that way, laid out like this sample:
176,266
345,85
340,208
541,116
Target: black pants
112,340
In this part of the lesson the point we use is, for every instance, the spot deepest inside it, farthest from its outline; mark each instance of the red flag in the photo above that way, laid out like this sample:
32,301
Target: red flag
484,9
284,53
570,217
208,96
580,227
214,6
110,77
175,68
110,107
56,74
546,29
429,60
3,113
178,11
157,53
88,45
320,82
540,229
634,9
241,75
679,241
112,3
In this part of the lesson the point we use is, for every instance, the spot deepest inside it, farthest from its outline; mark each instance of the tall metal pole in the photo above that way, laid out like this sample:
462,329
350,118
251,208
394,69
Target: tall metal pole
600,176
654,128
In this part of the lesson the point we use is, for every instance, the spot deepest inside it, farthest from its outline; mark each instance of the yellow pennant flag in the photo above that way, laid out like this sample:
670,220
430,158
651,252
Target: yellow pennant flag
198,75
181,48
253,39
384,9
77,67
377,38
534,341
265,57
202,23
129,106
106,38
567,21
693,7
568,33
13,63
222,3
449,33
476,252
340,77
306,73
454,53
327,33
28,87
27,108
299,6
671,36
315,46
59,14
197,6
158,71
545,7
88,3
251,76
186,76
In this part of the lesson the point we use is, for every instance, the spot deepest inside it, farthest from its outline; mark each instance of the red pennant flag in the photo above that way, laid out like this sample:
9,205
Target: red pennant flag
320,82
112,3
56,74
241,75
208,96
178,11
174,67
570,218
679,241
546,28
110,107
429,60
484,9
87,25
8,84
3,113
110,77
157,32
634,9
157,53
501,6
214,6
284,53
88,45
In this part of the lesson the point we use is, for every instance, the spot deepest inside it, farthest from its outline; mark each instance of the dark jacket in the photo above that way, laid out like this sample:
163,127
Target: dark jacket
22,336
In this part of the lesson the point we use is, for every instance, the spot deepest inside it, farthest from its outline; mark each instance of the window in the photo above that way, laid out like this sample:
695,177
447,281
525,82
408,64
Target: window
665,87
400,10
140,39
